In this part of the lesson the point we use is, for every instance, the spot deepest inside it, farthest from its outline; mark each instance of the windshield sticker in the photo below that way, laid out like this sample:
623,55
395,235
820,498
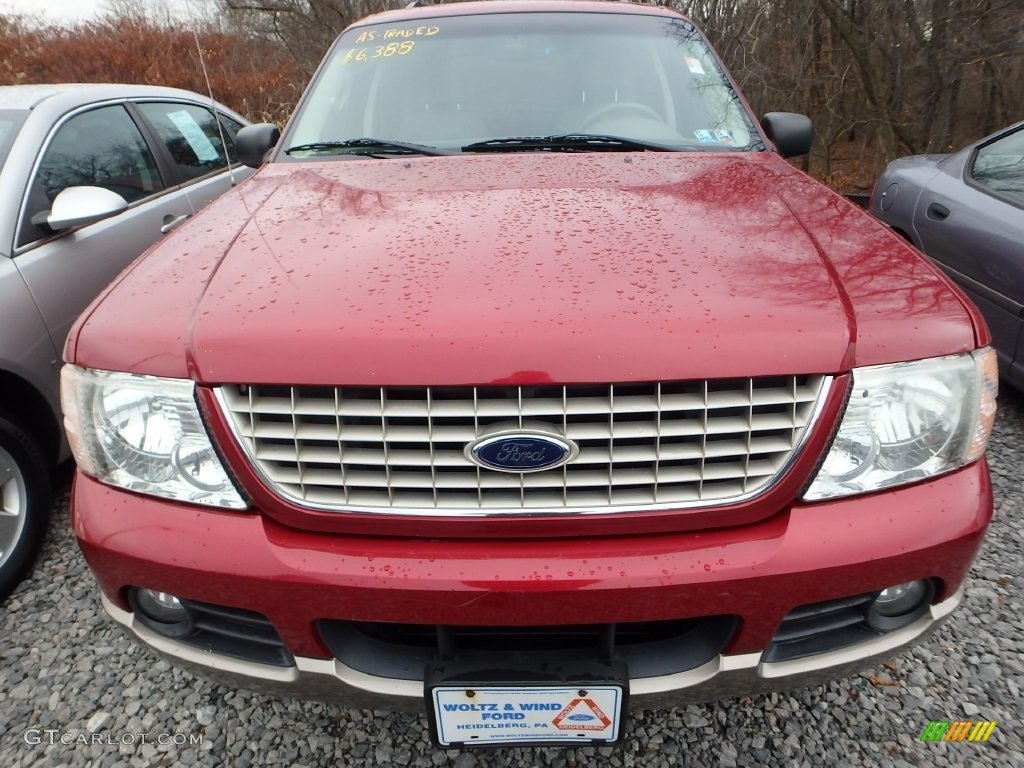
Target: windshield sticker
716,136
695,66
193,134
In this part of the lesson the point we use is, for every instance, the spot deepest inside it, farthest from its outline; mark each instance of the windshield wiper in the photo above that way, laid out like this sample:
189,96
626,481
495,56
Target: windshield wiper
570,142
371,147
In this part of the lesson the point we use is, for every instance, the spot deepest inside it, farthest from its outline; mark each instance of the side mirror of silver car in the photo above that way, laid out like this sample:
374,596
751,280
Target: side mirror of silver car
77,206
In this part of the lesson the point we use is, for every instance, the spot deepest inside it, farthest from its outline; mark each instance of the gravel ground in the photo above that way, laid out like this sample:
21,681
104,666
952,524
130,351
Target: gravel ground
74,691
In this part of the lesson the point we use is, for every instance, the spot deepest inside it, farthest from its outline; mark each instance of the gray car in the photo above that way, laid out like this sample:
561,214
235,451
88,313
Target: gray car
966,211
92,175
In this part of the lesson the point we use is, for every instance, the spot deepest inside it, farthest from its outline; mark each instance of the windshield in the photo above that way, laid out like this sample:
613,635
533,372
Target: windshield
10,122
452,82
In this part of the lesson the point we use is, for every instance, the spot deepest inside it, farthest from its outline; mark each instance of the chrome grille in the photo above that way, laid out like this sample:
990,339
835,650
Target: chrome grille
401,449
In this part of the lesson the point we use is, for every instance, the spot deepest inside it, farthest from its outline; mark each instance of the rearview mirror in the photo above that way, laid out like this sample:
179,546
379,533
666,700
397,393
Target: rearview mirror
789,132
78,206
253,142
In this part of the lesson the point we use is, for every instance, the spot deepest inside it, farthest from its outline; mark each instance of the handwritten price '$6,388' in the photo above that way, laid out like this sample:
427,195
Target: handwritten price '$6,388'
379,51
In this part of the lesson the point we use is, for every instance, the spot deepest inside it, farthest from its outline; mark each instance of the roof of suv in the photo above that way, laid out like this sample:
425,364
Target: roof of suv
514,6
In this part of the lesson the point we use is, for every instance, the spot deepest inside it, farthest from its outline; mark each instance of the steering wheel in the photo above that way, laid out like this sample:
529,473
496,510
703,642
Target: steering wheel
622,106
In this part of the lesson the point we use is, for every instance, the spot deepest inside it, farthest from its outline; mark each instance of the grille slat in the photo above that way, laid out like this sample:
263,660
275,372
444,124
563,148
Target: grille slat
401,449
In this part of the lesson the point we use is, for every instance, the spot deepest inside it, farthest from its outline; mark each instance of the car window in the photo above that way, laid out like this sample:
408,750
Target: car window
231,128
101,148
999,166
191,136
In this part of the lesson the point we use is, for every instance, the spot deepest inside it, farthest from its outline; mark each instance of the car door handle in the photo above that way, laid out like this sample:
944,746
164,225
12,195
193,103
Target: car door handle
171,221
937,212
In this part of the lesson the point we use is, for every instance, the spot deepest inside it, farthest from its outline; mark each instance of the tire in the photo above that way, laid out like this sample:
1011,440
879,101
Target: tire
24,502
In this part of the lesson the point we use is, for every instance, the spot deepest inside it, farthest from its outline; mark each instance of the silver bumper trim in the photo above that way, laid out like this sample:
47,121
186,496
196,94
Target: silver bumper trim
723,677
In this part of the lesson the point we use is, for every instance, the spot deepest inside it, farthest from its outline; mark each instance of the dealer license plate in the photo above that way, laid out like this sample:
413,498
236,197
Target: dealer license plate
523,715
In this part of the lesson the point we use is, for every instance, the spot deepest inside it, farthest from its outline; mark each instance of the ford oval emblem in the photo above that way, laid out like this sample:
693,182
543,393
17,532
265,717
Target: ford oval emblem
581,717
521,451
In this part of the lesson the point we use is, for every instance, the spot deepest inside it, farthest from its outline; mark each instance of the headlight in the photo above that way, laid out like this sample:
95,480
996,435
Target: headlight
910,421
145,434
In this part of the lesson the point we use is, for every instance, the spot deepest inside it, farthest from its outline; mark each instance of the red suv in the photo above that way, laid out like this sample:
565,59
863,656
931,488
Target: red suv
526,377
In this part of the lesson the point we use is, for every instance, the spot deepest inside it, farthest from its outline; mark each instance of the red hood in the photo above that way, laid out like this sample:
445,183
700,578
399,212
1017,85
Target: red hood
524,267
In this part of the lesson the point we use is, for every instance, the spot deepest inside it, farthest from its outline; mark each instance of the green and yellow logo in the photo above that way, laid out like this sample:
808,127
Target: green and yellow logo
958,730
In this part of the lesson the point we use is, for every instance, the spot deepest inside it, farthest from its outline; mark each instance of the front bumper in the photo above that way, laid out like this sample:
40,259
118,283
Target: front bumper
726,676
757,573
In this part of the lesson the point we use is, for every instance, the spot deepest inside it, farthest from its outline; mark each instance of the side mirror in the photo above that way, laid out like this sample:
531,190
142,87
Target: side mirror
78,206
253,142
789,132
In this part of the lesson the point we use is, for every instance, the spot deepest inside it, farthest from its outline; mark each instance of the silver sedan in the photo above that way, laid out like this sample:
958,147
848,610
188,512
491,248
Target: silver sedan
966,211
92,175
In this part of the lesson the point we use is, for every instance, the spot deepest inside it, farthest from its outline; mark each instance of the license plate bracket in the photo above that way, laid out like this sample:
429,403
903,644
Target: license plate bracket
583,706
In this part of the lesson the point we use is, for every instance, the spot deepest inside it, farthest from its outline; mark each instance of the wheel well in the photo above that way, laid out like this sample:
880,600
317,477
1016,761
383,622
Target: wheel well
22,403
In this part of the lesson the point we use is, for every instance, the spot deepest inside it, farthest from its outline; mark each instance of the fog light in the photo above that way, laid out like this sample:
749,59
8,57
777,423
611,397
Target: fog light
900,604
160,606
